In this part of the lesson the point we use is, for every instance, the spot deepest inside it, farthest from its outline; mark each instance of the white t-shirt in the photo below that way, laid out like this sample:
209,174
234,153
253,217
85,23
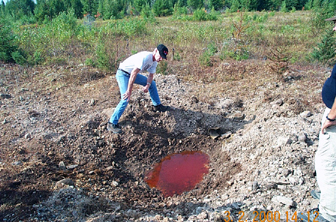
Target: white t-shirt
142,60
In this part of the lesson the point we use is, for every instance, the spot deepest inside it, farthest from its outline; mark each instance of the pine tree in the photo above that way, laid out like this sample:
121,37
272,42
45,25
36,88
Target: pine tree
107,9
42,11
195,4
77,7
284,7
90,6
182,3
292,3
101,7
162,8
2,9
326,50
56,7
139,4
19,8
216,4
235,6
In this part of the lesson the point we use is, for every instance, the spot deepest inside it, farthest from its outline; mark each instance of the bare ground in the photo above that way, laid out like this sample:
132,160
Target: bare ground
59,163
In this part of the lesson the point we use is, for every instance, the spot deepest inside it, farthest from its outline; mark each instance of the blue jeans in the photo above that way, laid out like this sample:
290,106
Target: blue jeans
122,79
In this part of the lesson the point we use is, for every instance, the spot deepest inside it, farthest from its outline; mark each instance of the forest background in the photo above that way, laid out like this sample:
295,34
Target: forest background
199,33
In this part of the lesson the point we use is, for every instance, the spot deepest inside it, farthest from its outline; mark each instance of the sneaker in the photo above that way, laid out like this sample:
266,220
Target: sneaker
161,108
115,128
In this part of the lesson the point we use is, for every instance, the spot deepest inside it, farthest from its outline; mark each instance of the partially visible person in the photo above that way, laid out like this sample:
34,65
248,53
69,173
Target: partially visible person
334,20
325,158
129,73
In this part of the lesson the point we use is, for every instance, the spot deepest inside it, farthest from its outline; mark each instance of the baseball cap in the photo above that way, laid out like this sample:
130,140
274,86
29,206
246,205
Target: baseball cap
163,50
332,19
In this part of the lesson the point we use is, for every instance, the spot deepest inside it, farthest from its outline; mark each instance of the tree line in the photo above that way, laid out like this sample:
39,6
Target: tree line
31,12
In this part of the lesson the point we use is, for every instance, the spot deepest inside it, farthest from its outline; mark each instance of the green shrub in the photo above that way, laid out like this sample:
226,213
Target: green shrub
90,62
212,49
308,5
180,13
34,42
325,51
283,7
9,48
38,57
213,15
202,15
18,57
162,8
177,56
205,59
260,18
102,57
64,27
162,68
126,27
235,49
147,13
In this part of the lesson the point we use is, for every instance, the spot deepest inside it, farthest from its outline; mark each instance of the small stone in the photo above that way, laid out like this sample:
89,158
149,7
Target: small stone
17,163
306,114
71,167
61,165
283,141
92,102
294,180
284,200
239,116
109,168
227,134
5,96
255,185
214,133
278,102
286,172
203,215
22,151
302,138
64,183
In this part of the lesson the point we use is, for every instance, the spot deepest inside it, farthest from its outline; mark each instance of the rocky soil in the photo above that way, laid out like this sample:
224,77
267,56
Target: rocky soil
59,163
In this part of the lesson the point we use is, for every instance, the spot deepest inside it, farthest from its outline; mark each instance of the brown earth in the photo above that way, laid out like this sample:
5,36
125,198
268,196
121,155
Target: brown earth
53,127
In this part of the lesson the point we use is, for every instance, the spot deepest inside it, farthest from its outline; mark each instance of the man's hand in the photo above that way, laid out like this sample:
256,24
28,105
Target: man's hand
145,88
127,96
327,124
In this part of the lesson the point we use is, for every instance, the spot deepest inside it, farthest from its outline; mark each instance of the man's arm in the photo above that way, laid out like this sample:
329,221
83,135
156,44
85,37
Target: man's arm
332,116
131,81
150,78
149,82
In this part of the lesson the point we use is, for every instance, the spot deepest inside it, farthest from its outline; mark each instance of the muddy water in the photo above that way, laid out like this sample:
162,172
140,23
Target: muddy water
178,172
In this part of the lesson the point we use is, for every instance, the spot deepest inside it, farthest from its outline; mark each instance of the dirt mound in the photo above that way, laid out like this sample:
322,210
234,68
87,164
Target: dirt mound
55,129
